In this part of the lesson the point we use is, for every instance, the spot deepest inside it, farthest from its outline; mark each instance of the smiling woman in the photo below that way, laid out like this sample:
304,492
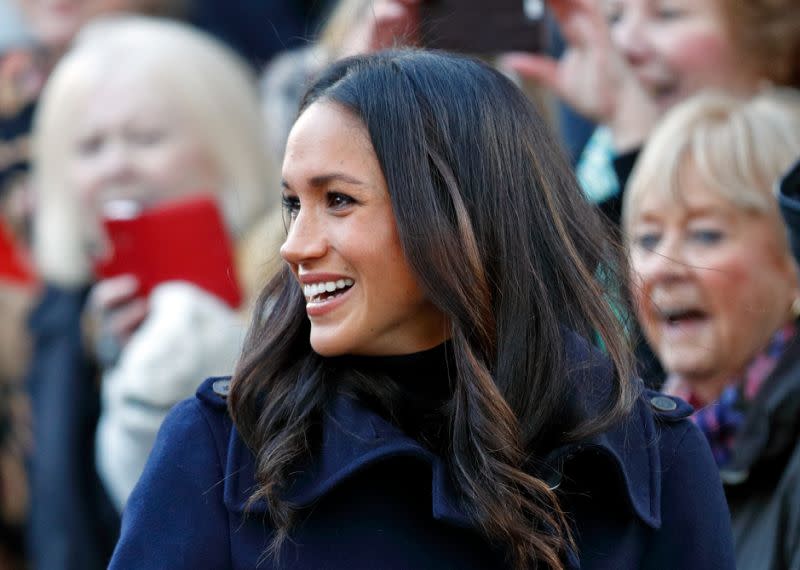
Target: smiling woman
418,390
341,229
630,61
719,297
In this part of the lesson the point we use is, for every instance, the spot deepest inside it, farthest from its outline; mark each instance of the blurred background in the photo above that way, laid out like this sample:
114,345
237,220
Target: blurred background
128,125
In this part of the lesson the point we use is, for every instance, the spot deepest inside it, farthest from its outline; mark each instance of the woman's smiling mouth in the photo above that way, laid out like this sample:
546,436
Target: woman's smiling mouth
324,290
324,294
679,322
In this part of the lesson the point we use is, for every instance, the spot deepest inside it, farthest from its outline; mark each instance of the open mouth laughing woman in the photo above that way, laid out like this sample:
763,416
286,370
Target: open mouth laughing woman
422,386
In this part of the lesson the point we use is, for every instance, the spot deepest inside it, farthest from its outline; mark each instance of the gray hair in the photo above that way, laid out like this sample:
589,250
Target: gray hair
738,147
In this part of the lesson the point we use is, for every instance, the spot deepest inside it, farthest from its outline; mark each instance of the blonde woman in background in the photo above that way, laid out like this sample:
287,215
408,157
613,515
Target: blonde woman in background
144,110
719,299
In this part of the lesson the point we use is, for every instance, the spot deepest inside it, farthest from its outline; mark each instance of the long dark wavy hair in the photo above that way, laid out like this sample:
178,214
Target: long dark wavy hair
502,241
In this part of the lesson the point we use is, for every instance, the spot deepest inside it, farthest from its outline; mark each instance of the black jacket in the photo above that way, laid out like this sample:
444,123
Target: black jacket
762,480
789,200
72,524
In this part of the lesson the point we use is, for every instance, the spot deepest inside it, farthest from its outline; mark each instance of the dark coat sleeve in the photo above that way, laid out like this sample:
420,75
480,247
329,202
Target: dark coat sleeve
696,527
175,518
72,524
789,200
791,550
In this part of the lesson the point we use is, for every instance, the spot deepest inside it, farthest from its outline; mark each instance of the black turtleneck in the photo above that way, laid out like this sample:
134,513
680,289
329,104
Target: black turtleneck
410,390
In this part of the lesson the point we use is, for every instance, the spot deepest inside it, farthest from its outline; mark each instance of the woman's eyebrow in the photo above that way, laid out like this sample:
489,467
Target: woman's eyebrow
325,179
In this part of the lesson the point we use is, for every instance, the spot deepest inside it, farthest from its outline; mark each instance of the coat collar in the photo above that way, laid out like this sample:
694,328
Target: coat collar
355,438
772,422
630,453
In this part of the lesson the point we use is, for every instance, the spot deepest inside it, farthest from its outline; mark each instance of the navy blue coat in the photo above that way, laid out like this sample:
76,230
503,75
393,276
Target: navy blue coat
644,495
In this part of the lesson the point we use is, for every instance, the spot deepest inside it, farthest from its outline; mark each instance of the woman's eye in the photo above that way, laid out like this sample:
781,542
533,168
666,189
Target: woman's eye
90,146
291,205
614,16
707,237
339,201
669,14
146,137
648,240
668,11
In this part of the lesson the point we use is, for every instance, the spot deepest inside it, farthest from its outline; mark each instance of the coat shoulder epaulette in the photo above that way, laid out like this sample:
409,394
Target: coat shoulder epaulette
667,408
214,391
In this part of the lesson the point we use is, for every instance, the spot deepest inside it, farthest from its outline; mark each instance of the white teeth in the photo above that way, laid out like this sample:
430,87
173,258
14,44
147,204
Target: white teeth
313,290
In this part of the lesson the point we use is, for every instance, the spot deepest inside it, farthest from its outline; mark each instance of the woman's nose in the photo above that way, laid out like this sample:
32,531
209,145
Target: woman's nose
664,263
630,37
115,164
305,239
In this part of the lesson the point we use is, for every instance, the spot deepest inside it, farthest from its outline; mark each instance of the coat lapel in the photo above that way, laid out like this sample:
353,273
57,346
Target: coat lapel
354,438
628,453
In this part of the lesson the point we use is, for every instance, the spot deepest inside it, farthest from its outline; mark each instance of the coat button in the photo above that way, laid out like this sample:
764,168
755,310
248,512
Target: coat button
221,388
663,403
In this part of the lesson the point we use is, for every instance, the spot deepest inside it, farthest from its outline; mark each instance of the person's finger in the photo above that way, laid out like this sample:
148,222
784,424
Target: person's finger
594,12
540,68
394,23
582,22
561,9
565,13
113,291
125,319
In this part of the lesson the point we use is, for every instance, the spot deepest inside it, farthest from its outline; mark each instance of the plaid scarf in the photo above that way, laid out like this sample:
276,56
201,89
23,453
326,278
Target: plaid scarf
721,421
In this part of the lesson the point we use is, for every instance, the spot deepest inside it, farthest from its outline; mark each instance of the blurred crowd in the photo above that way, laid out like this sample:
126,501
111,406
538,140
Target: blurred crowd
134,123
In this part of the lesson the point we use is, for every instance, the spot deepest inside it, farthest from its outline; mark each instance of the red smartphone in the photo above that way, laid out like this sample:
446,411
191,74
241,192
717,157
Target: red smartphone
181,240
481,27
15,266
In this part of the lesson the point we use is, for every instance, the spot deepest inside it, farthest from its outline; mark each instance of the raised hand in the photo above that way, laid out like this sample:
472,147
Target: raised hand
113,313
592,76
384,24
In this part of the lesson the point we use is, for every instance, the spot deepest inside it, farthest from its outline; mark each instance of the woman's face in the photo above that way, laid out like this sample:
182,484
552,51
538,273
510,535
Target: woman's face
714,281
343,246
677,47
132,144
55,22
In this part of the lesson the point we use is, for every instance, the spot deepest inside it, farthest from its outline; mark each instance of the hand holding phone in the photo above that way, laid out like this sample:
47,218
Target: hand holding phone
113,313
481,27
591,75
181,240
